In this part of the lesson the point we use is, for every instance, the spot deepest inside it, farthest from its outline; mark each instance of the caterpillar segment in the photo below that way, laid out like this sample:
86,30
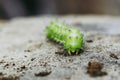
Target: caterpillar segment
70,37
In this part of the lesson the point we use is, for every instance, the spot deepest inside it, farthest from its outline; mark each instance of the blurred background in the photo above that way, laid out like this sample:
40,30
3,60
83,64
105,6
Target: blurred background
20,8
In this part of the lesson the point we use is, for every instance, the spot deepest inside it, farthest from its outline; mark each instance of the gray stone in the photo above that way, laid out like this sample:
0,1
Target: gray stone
24,49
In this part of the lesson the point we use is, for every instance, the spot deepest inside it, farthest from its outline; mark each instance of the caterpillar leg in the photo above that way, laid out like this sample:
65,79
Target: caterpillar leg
77,52
69,52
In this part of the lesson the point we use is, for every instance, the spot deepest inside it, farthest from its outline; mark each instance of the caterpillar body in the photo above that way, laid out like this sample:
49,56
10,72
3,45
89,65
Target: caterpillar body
70,37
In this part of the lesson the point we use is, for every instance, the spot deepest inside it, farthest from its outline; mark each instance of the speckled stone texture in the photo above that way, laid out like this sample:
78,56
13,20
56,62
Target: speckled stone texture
26,54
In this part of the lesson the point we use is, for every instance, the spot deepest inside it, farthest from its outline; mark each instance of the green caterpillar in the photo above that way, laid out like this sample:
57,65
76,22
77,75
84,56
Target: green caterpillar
70,37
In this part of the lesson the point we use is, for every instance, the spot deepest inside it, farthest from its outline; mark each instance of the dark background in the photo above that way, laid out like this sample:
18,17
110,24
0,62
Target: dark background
20,8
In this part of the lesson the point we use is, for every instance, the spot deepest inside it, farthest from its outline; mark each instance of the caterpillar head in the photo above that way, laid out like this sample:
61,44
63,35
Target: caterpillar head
74,41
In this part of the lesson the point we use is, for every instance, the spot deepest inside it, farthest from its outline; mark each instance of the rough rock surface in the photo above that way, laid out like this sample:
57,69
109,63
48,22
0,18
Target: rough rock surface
26,54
